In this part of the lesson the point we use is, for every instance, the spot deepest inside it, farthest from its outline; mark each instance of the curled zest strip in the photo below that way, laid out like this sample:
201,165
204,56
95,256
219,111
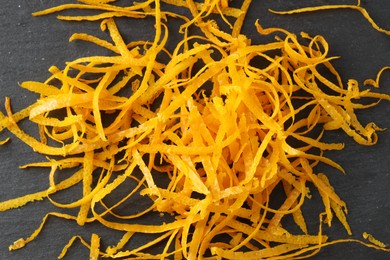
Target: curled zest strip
375,82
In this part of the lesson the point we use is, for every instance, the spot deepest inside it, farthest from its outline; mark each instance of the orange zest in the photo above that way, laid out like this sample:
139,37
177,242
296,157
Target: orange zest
207,137
356,7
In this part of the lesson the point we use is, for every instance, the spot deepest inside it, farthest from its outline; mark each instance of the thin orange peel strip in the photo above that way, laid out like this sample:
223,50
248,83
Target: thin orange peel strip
356,7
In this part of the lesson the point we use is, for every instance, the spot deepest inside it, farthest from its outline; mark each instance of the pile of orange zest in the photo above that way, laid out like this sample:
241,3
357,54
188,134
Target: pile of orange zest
356,7
206,137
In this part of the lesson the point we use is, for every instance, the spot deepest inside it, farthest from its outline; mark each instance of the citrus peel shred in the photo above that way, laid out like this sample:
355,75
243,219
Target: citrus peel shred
356,7
206,147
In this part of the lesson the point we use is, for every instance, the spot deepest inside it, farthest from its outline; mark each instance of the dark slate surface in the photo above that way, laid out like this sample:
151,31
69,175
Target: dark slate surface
30,45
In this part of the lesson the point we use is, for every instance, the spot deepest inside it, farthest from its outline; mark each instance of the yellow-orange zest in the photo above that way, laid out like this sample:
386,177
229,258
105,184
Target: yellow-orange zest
207,136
